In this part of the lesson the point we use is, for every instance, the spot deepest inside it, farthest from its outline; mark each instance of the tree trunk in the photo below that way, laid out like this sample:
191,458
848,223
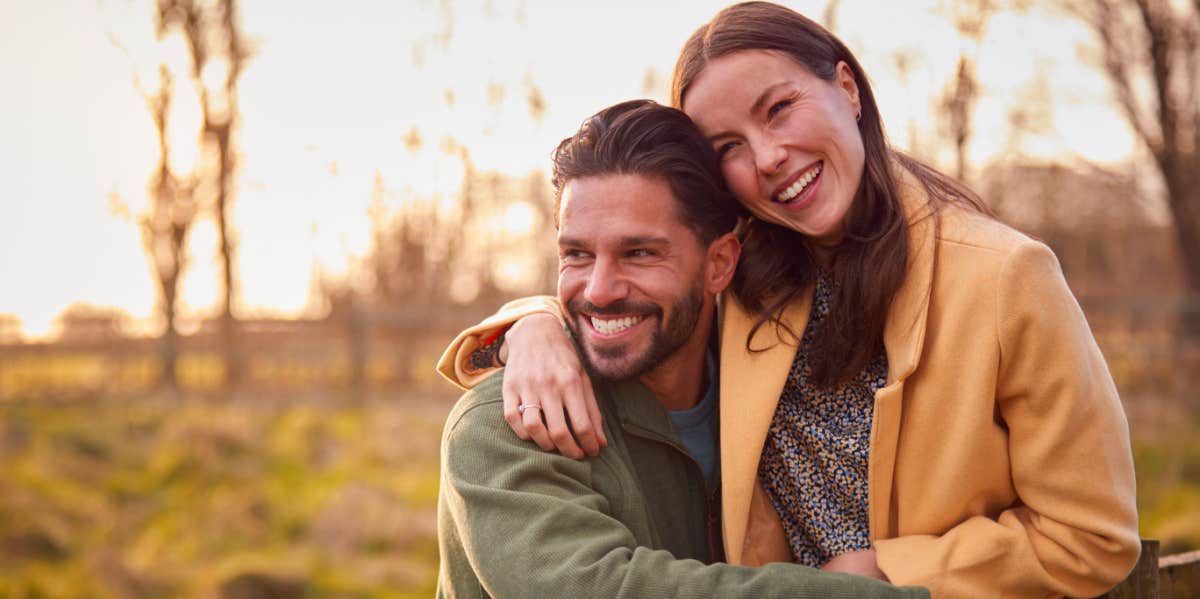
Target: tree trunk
170,339
229,338
1183,191
235,54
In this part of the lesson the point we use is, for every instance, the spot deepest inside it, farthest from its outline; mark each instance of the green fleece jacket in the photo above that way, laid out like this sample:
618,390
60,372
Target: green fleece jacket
516,521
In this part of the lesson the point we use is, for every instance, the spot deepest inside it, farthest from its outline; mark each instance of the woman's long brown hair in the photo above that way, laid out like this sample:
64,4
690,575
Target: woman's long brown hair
777,263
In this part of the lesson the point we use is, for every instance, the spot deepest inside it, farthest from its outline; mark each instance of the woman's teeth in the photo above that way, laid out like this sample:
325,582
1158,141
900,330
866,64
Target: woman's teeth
795,188
615,325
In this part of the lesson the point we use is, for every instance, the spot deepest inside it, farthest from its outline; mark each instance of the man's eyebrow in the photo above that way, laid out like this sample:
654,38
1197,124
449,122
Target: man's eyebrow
754,108
633,240
627,241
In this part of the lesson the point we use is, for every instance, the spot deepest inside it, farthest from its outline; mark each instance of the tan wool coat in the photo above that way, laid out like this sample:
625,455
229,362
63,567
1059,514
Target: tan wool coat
1000,463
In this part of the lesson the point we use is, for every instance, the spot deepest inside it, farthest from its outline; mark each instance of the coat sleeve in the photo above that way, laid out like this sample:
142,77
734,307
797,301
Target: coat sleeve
455,363
1074,529
528,523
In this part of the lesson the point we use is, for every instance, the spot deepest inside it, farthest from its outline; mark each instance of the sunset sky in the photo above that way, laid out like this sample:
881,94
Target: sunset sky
334,88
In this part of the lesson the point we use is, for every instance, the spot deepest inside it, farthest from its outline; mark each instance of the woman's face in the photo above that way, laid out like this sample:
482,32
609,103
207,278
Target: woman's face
788,140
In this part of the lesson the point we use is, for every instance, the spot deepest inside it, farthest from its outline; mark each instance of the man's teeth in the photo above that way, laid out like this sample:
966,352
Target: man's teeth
615,325
797,187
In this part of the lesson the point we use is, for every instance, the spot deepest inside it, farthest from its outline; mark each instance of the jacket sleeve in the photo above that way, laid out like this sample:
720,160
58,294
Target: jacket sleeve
455,363
1074,528
530,524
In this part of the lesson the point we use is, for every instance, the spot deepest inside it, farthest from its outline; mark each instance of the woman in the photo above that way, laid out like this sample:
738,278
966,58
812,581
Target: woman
908,389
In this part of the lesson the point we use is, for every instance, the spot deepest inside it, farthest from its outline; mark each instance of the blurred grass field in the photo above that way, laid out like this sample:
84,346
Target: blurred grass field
297,487
167,498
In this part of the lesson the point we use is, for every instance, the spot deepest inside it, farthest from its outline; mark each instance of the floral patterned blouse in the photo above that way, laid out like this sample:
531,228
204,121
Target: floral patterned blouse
814,462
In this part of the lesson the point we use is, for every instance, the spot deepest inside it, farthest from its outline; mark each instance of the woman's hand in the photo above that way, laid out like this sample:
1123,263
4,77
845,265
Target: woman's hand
543,370
861,563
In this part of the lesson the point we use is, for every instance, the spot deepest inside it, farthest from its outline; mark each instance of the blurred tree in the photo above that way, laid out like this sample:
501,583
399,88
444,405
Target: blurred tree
88,323
654,85
218,52
829,15
957,104
904,62
535,100
1150,51
541,197
166,225
10,329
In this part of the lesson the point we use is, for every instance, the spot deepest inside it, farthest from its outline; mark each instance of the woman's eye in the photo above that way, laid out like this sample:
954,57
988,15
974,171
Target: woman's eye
778,107
725,148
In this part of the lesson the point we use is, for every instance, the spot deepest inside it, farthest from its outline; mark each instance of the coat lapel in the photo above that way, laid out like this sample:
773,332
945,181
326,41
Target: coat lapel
751,383
903,339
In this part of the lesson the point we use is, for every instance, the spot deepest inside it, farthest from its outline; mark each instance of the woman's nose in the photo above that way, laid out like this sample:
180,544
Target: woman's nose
769,154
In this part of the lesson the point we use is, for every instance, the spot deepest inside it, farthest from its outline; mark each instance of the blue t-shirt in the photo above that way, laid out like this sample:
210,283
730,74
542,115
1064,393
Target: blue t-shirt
695,424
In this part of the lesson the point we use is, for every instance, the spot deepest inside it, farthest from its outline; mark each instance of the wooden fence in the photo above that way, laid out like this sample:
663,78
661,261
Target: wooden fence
1170,577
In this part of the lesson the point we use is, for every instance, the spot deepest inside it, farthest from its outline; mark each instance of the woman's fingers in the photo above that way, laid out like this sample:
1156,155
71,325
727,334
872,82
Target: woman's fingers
543,370
531,418
512,412
593,408
555,417
545,421
584,414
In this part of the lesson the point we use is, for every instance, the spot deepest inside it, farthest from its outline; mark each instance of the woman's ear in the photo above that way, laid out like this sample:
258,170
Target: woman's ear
844,79
722,260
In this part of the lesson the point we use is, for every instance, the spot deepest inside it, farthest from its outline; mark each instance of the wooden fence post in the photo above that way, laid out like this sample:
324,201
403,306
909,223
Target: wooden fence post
1179,576
1142,582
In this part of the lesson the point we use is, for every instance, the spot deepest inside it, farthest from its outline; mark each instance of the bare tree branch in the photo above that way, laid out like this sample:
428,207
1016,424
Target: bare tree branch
1160,65
1104,19
1169,123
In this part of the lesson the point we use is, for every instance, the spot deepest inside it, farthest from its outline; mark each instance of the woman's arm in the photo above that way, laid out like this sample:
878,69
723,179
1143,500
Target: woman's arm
456,365
541,369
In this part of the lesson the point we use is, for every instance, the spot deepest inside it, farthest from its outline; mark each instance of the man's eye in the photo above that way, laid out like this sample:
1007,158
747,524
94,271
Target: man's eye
642,253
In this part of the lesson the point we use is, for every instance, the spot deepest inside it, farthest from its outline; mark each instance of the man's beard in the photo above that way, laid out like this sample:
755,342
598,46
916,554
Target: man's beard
685,315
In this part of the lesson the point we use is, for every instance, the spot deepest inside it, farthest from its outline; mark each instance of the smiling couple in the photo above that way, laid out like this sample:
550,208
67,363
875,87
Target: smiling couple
868,382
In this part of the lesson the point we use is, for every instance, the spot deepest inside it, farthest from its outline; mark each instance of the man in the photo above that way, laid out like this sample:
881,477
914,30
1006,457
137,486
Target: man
645,245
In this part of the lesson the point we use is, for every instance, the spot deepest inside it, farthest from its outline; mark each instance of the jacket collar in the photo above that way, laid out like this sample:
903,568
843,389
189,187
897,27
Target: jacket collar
640,411
904,330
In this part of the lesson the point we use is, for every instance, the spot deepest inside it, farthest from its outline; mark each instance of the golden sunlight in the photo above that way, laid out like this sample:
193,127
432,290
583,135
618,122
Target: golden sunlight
423,98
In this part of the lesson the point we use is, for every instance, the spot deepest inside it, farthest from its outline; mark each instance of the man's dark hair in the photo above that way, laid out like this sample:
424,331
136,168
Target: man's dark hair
641,137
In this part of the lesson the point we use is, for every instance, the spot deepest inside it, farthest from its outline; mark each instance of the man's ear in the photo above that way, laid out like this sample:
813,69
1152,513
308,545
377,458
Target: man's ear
722,259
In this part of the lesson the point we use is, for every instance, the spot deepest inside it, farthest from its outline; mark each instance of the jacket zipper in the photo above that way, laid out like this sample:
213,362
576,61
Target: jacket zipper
716,551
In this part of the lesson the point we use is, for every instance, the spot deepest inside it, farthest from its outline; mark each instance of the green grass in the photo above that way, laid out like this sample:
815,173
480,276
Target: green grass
160,498
1168,475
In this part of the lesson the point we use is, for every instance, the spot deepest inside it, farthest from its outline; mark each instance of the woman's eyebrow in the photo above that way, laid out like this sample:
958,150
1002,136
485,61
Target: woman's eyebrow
766,93
758,104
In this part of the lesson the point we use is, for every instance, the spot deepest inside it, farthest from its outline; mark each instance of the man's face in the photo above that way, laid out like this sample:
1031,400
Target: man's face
629,273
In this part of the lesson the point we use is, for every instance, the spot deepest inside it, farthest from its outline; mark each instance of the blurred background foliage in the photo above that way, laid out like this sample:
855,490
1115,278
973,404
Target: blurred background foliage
241,455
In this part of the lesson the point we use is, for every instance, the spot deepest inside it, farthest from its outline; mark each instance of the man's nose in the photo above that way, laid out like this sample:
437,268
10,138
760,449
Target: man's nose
606,283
